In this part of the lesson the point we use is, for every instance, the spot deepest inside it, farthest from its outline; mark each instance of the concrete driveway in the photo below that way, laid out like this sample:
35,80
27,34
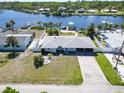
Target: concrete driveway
91,71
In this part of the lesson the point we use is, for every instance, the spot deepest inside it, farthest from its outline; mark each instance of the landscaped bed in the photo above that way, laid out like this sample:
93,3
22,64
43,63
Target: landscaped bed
108,70
63,70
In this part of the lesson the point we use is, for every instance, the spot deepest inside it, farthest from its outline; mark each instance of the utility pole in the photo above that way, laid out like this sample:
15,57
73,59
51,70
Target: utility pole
120,52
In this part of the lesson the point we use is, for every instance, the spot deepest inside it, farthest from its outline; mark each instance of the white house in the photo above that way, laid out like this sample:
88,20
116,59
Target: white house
91,11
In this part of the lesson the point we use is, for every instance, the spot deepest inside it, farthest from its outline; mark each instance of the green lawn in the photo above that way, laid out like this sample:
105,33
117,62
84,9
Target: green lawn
64,70
108,70
67,34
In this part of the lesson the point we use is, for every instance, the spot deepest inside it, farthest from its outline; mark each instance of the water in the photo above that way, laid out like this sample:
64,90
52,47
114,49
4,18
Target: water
23,18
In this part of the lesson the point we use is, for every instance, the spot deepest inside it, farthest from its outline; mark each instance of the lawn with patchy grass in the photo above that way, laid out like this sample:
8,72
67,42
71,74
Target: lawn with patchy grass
108,70
3,58
67,34
63,70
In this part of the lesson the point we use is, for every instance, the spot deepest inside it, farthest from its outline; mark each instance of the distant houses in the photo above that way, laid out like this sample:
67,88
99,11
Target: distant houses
44,9
81,10
110,10
62,9
91,10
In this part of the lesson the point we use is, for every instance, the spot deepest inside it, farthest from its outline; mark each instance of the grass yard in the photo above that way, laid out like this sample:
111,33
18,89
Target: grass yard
67,34
3,58
108,70
81,35
64,70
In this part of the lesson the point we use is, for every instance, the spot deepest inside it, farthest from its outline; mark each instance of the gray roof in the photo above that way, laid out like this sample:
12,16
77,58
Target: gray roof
67,42
21,40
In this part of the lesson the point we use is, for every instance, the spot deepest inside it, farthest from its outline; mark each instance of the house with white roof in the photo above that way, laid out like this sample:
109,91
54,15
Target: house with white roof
66,44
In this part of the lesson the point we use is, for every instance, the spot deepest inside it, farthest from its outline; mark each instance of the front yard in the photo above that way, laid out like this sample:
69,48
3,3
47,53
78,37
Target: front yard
3,58
63,70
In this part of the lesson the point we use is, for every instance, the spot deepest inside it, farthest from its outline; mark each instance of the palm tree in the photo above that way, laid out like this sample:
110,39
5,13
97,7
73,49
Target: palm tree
115,26
12,42
10,25
99,27
110,27
91,31
122,27
39,23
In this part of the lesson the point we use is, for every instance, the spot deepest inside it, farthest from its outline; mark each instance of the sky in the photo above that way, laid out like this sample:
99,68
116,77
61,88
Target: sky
51,0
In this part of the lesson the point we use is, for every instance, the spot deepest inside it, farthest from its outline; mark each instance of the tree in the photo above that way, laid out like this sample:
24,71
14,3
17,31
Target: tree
91,31
12,42
43,92
39,23
99,27
10,25
10,90
122,27
38,61
50,55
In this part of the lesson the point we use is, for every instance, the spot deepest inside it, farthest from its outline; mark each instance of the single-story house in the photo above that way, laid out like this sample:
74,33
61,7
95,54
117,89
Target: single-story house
44,9
91,11
114,10
62,9
24,41
111,10
106,10
81,10
70,10
66,44
113,40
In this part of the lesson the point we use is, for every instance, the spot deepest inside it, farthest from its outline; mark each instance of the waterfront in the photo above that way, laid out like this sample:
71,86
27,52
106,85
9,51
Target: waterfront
80,21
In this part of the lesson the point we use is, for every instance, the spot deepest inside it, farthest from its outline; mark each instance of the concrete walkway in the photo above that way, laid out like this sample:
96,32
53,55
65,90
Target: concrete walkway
94,81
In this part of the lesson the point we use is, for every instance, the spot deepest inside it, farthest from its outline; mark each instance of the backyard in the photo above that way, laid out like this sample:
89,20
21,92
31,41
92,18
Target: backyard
63,70
67,34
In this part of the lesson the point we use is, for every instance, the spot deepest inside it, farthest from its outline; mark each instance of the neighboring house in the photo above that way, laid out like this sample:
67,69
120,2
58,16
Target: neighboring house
70,10
66,44
106,10
44,9
62,9
81,10
113,40
24,41
112,10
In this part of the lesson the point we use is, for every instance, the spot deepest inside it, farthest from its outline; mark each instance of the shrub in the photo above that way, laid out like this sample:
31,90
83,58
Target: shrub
43,92
38,61
10,90
50,55
12,55
37,27
3,61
